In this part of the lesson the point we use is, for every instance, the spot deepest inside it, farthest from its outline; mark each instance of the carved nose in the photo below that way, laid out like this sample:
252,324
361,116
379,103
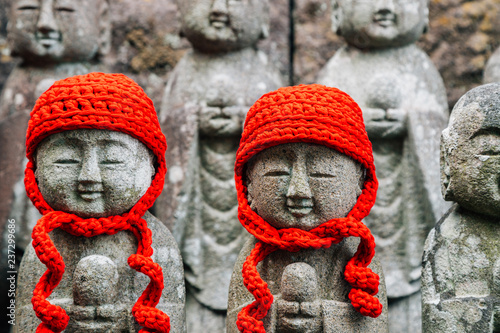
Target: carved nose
299,184
46,21
219,7
385,6
90,172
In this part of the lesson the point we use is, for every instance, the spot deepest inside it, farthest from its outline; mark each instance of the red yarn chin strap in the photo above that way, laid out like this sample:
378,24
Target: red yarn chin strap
363,280
54,318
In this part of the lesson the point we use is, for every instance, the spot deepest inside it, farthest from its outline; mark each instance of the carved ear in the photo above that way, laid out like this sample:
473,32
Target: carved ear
264,32
426,26
362,177
104,28
446,189
337,17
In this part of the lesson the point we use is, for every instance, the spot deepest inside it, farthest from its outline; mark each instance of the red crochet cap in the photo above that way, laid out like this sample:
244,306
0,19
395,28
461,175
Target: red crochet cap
313,114
96,101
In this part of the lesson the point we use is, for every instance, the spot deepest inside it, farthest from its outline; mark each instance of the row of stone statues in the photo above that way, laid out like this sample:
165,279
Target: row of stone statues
205,103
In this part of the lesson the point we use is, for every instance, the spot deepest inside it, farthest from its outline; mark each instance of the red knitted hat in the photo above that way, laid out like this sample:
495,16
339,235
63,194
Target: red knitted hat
96,101
313,114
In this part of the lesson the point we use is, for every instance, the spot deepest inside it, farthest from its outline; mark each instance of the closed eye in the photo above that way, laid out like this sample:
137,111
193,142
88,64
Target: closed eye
27,7
65,9
67,161
277,173
111,162
321,175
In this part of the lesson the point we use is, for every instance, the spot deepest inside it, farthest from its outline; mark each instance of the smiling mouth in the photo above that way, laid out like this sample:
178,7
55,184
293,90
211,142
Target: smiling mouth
219,21
90,196
48,39
300,211
384,19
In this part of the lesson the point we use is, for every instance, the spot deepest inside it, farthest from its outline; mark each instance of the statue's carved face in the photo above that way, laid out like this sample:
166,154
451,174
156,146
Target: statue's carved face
224,25
93,173
302,185
471,161
380,23
58,30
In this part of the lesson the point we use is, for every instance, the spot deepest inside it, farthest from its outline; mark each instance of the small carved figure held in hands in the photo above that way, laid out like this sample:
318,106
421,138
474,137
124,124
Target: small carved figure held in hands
205,102
461,264
305,179
95,165
405,108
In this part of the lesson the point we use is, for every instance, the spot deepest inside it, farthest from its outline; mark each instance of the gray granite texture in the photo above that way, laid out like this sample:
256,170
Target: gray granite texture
492,70
404,108
461,263
94,173
53,40
204,105
302,185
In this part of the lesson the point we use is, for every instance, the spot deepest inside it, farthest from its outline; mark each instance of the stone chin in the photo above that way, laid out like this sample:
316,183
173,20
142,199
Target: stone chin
378,36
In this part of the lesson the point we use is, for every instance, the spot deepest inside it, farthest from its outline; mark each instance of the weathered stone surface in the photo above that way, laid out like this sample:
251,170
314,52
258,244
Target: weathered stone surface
492,70
461,264
204,106
94,173
301,185
404,107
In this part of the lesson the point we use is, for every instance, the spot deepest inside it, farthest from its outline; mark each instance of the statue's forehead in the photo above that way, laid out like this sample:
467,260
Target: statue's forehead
89,136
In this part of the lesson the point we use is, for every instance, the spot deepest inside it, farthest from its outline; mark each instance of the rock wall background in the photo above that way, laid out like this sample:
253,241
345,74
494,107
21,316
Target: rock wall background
146,42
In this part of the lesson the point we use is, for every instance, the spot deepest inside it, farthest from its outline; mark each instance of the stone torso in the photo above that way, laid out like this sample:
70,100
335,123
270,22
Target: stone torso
325,309
462,274
98,288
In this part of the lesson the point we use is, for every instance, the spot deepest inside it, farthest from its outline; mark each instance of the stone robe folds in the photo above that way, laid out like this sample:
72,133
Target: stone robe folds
199,199
407,159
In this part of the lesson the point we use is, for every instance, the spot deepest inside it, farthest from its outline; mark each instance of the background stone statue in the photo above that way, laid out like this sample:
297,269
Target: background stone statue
204,106
404,107
461,265
300,187
54,39
102,181
492,70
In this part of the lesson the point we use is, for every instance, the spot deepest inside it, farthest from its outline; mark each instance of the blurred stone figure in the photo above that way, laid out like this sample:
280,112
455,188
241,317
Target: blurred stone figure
404,108
492,69
461,266
204,106
93,172
303,171
54,39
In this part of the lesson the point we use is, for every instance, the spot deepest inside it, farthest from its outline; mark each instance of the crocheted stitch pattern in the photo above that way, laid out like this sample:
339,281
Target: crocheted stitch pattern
313,114
96,101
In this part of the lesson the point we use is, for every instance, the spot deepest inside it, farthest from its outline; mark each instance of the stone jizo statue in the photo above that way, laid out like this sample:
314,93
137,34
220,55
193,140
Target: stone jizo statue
204,106
305,179
405,109
96,164
461,264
